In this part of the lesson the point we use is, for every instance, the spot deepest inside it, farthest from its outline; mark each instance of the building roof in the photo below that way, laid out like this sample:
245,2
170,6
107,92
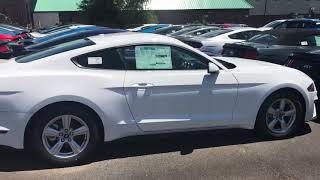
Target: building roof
72,5
57,5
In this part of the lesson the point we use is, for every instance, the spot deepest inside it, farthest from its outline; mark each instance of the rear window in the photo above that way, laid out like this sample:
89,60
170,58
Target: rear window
264,39
55,50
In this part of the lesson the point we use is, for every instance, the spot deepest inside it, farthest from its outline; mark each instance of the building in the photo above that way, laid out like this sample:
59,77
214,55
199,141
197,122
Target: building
16,11
268,10
50,12
211,11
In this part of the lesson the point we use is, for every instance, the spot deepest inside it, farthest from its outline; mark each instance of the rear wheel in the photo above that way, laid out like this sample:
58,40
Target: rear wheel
65,136
280,116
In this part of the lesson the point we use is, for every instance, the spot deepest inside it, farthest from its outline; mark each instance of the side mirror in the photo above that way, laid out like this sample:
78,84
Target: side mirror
213,68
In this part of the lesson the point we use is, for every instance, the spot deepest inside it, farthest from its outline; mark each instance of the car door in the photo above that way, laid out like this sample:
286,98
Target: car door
168,88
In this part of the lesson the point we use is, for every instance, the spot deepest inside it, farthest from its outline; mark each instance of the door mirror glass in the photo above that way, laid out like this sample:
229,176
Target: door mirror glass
213,68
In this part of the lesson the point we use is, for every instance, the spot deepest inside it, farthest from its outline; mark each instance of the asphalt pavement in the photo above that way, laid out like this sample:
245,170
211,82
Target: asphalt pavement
223,154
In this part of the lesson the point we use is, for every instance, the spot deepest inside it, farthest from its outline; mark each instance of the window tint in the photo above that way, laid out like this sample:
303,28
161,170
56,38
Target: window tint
264,39
215,33
201,32
296,24
244,35
313,40
159,57
104,59
55,50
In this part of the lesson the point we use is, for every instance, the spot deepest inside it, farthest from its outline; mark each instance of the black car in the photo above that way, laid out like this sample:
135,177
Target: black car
307,62
20,49
275,46
5,50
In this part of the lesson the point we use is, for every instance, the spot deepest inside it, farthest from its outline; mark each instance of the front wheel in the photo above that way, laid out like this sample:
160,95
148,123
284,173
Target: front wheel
280,116
65,136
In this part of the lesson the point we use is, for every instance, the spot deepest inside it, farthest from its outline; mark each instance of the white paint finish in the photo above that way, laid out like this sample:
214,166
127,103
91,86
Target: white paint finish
174,100
181,99
215,45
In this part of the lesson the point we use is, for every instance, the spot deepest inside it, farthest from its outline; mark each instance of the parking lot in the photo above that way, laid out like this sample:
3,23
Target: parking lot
227,154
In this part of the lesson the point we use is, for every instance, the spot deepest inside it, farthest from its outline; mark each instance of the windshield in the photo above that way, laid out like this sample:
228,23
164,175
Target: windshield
183,31
215,33
55,50
264,39
273,24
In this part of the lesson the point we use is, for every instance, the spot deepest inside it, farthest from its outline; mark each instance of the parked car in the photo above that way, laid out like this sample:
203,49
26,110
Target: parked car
185,30
137,28
275,45
55,29
5,51
58,34
196,32
307,62
151,29
294,23
11,35
130,84
212,43
273,24
19,50
169,30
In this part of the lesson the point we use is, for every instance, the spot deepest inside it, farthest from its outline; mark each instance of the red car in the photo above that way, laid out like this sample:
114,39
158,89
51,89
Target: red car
12,35
9,37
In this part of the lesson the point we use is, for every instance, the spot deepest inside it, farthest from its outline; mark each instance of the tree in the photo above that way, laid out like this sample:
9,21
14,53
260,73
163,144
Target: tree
117,12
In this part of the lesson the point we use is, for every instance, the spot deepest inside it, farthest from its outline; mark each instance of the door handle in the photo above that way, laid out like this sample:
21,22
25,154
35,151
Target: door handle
142,85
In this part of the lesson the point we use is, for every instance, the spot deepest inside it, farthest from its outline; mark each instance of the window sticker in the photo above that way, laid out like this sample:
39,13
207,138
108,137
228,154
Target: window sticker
304,43
153,57
94,60
317,38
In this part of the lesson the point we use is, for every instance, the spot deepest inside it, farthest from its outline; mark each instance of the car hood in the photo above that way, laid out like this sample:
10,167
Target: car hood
251,65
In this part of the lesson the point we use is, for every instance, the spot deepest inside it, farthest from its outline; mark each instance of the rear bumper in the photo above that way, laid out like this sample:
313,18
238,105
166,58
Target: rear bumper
12,128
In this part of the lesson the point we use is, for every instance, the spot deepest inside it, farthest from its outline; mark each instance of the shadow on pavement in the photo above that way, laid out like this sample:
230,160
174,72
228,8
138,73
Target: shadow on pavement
19,160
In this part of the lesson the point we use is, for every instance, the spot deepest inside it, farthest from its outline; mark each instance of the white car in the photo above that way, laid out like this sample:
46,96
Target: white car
64,101
212,43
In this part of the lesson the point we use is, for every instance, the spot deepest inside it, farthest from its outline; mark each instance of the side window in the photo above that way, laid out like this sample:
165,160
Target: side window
244,35
161,57
313,40
283,25
105,59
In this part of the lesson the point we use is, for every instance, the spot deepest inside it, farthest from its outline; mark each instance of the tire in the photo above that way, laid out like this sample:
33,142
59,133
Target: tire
269,113
40,143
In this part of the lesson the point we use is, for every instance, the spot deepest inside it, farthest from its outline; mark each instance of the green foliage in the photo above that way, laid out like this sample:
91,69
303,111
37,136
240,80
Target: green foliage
117,12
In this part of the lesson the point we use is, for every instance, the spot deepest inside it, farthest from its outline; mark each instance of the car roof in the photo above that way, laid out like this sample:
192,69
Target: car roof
290,31
127,38
290,36
304,19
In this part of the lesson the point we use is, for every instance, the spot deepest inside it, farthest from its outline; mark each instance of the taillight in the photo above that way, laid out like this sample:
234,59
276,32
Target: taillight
312,88
250,55
4,49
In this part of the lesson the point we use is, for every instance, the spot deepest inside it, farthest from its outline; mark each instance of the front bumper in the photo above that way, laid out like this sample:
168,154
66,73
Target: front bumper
12,128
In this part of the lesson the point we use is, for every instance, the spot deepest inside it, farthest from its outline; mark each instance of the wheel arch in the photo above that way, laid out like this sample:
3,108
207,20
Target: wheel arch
62,101
297,90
